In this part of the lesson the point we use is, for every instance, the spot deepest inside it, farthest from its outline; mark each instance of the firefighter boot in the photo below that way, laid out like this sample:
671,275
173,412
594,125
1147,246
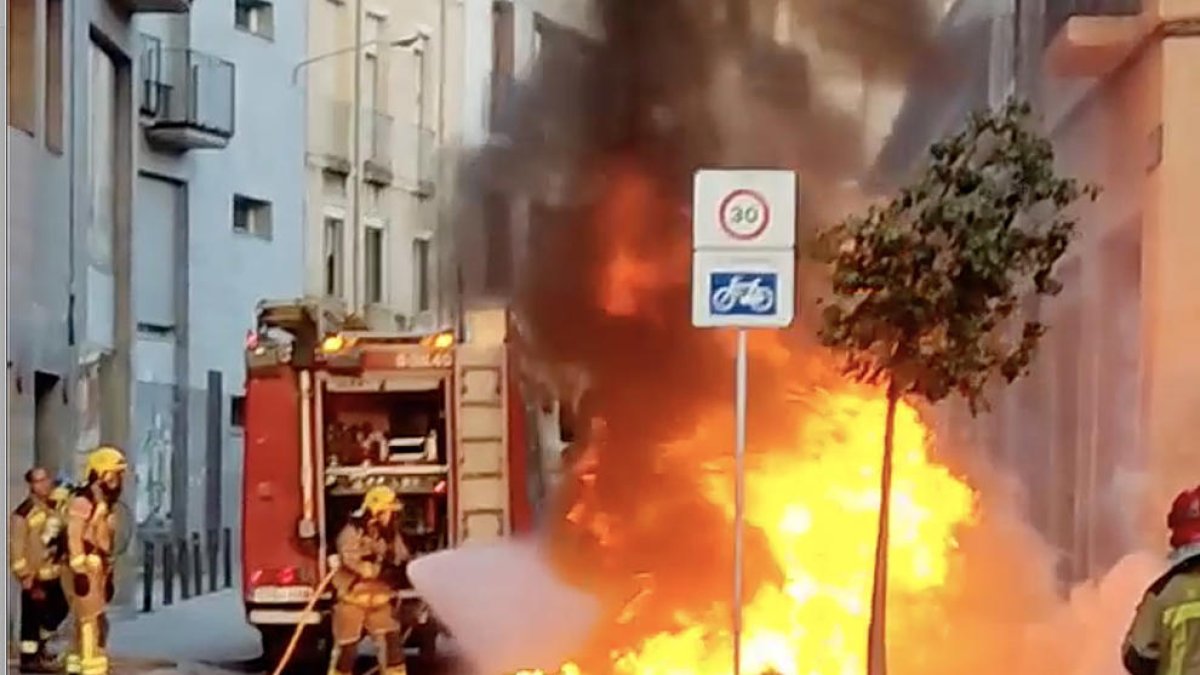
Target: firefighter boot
92,657
391,654
341,662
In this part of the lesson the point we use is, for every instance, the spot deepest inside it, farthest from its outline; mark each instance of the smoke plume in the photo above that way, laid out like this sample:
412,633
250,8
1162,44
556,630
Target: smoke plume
599,149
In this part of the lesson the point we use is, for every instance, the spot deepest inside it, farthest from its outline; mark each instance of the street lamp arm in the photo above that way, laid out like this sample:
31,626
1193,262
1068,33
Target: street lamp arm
401,42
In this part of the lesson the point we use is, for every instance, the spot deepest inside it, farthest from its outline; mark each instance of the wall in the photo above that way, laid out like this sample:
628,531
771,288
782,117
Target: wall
224,273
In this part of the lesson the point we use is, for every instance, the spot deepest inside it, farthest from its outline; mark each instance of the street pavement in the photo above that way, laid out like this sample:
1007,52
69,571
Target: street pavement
206,635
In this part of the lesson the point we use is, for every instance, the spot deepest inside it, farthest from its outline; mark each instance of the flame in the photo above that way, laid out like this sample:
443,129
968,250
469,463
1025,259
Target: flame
812,501
817,504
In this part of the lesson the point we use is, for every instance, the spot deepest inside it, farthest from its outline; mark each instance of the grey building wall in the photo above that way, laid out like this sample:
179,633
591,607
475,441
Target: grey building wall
188,450
74,297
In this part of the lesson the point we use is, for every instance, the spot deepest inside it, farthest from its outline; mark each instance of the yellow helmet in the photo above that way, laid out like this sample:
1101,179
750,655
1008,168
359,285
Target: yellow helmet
380,499
105,459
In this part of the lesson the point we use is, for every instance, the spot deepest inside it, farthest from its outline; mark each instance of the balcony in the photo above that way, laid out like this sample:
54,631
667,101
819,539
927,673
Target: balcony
376,130
329,134
416,159
158,6
187,98
1090,38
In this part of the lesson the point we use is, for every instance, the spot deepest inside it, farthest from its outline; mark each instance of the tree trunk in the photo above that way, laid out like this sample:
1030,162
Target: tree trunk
877,636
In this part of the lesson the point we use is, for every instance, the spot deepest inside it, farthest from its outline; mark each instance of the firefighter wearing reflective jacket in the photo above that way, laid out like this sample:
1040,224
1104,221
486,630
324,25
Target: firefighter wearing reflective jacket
34,540
91,525
1164,638
372,557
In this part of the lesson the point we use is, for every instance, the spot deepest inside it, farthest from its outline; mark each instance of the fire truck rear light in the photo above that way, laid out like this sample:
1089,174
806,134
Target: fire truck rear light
440,488
287,576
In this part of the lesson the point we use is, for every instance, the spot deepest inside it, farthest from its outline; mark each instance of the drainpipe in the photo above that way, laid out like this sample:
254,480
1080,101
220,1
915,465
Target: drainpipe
358,285
439,188
72,147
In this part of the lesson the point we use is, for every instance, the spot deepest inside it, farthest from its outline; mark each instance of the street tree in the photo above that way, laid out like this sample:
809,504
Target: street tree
926,287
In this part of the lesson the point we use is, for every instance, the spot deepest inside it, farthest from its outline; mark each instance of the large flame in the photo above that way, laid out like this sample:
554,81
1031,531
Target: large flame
812,498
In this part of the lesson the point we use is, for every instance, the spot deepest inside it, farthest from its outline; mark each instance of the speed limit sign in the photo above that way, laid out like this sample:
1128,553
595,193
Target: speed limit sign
744,214
744,209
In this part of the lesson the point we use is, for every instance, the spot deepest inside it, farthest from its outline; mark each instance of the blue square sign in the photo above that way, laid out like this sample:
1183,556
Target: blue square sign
743,293
745,289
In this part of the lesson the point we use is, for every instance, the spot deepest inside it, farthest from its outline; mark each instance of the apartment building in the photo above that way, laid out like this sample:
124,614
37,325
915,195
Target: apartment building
1101,432
374,234
155,195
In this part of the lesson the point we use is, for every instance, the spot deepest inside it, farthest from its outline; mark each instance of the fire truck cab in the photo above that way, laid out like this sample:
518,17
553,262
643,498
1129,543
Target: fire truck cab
331,410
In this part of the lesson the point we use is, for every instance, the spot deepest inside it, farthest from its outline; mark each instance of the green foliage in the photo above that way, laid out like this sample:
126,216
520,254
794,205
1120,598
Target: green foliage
926,288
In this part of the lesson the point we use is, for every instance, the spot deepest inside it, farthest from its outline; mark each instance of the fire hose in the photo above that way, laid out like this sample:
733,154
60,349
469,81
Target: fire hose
312,602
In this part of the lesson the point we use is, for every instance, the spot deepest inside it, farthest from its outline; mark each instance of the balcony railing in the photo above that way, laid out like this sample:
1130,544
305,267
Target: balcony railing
157,6
391,152
376,129
187,98
416,158
1059,12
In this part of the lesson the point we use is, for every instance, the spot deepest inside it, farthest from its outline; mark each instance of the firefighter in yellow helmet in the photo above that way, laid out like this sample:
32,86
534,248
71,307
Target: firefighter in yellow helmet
372,556
34,539
88,581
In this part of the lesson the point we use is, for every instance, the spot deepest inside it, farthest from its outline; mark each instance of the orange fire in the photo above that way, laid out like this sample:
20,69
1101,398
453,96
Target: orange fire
812,494
817,503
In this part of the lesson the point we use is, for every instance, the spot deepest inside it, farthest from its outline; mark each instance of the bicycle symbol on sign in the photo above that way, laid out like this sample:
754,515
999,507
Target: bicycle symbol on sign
743,293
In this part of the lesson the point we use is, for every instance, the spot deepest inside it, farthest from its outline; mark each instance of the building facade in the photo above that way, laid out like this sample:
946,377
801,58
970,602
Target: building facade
155,194
1101,431
386,267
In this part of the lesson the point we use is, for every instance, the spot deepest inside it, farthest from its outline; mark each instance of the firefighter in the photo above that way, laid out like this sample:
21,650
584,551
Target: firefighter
1164,638
91,525
34,541
372,556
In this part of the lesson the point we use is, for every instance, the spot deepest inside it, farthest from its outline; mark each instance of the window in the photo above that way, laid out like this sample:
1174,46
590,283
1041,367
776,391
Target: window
103,122
22,65
334,228
421,273
237,411
251,216
54,76
255,16
373,256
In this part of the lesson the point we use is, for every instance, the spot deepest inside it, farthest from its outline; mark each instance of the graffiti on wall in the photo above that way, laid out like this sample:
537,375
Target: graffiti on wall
153,469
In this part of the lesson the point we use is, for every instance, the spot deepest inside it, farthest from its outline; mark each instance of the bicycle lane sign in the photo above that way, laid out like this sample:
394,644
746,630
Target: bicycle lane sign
746,289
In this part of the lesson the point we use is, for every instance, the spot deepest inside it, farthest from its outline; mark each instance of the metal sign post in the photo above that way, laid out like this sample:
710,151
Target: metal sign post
743,276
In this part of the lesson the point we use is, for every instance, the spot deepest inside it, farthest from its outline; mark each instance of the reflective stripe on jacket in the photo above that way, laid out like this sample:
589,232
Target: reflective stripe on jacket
1164,638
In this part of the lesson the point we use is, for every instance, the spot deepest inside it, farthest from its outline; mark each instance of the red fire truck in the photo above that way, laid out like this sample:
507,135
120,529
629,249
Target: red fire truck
331,411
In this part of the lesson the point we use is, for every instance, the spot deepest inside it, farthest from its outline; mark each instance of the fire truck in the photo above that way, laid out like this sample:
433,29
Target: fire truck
332,409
